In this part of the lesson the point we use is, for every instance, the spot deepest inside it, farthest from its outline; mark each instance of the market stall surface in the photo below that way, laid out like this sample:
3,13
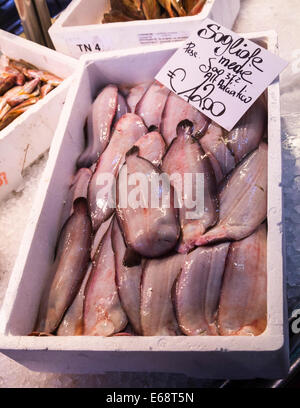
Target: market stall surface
255,15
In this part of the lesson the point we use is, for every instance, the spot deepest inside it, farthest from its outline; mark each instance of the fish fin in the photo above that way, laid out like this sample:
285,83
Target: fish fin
219,233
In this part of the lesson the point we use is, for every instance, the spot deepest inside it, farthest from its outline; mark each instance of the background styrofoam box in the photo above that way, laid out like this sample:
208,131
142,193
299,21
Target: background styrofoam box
78,29
203,356
30,135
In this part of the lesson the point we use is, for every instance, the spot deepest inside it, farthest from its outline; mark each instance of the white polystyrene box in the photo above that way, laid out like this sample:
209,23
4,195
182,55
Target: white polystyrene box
202,356
78,29
30,135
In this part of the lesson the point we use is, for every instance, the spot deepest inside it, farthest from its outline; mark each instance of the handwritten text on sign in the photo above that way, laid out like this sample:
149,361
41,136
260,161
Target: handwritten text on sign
220,73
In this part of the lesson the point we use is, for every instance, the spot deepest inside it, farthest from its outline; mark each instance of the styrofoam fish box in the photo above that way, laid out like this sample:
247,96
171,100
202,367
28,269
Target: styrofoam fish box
79,30
265,355
30,135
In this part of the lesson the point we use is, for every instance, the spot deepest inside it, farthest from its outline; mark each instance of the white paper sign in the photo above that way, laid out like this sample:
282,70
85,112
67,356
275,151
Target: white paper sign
220,73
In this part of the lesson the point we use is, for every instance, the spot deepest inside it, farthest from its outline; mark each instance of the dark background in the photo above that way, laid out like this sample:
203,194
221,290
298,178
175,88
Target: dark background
9,18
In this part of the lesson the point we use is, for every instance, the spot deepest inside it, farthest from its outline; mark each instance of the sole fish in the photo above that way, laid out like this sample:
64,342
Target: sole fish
149,230
243,200
135,95
198,290
248,132
69,268
99,123
122,108
128,280
151,106
152,147
77,189
214,145
157,310
243,302
185,156
72,323
103,313
99,235
127,131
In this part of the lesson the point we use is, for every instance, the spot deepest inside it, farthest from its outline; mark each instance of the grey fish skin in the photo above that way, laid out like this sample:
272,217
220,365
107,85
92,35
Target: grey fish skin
198,290
243,302
151,232
128,280
151,105
69,268
72,323
248,132
127,131
157,310
215,146
185,155
243,200
99,123
176,110
103,312
77,189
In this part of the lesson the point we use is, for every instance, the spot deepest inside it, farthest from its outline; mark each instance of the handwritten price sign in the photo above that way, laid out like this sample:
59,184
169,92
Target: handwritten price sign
220,73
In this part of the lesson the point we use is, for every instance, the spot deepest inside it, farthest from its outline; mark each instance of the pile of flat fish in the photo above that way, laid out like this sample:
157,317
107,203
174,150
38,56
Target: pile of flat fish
152,270
21,86
130,10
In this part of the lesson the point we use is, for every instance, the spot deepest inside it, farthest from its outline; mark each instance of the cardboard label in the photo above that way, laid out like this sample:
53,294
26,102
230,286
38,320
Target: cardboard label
220,73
